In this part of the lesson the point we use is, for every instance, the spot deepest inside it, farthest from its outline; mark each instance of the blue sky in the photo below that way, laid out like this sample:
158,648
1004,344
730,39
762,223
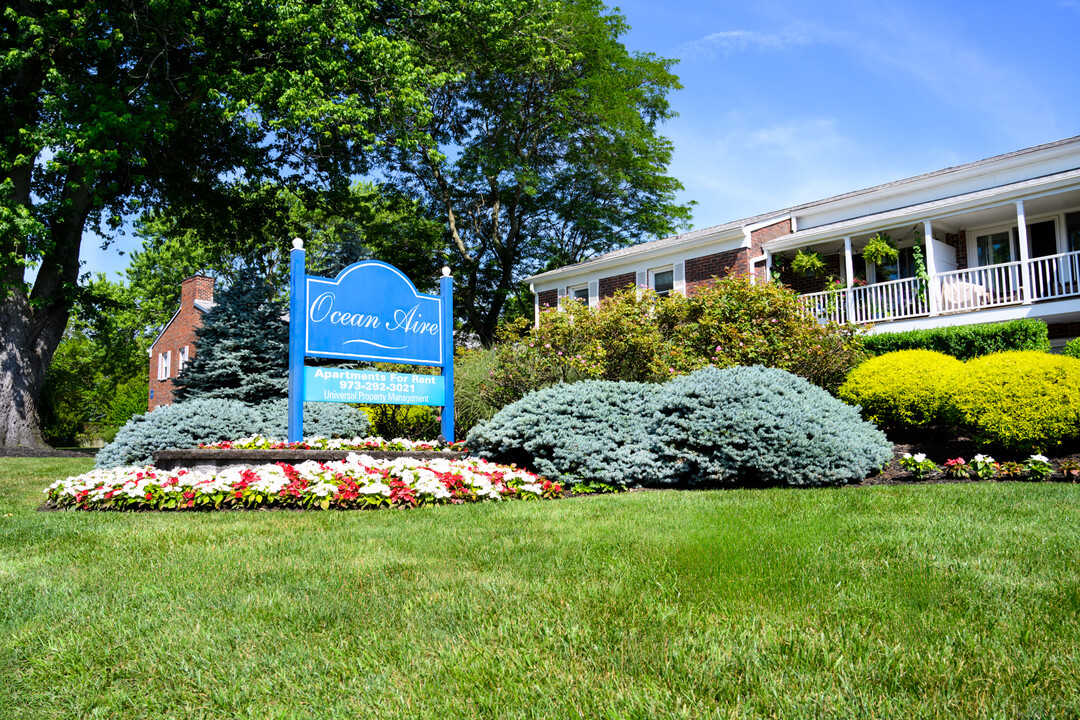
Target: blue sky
787,102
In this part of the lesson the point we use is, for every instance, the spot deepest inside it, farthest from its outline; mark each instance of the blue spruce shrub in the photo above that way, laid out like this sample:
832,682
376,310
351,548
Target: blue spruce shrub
595,430
761,426
324,419
189,423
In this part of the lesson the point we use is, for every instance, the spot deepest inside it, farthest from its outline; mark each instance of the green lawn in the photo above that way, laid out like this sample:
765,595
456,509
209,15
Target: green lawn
934,601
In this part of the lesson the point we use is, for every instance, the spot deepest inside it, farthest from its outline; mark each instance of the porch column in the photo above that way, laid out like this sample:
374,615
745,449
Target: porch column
768,265
1021,224
536,305
849,272
931,268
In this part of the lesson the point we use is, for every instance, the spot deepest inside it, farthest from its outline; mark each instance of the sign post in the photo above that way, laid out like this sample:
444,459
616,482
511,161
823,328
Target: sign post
446,290
370,312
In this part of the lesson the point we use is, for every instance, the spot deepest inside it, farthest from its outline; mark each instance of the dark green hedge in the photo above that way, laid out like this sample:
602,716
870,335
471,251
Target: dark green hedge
966,341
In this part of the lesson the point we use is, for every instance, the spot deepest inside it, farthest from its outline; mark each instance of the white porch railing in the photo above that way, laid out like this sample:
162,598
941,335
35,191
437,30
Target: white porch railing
978,288
1055,276
892,300
1048,278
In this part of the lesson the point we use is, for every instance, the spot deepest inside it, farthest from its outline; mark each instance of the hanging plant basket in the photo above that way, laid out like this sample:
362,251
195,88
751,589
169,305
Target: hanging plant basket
808,263
880,250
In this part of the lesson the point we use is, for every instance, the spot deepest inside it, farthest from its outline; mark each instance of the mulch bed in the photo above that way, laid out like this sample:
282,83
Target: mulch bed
939,448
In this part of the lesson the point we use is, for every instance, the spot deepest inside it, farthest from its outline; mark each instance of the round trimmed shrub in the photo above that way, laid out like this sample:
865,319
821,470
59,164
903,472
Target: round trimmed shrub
904,389
1072,348
186,424
594,430
1023,400
761,426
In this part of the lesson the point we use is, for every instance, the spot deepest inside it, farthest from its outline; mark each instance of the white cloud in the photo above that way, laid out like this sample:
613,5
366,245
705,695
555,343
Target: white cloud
749,165
729,41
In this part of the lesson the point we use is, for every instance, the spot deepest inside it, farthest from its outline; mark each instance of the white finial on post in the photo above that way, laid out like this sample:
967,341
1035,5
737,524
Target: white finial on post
297,244
445,271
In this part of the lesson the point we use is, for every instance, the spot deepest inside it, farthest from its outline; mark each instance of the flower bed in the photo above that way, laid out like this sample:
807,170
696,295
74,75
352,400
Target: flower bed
357,482
258,442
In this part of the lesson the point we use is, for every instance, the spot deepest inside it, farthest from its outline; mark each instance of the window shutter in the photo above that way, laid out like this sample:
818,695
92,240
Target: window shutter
678,274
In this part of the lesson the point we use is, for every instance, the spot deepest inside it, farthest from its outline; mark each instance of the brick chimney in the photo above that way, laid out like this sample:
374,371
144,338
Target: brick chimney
196,287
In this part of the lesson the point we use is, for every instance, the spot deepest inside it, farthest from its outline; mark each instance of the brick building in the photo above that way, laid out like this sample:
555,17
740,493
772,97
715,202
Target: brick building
1000,237
175,344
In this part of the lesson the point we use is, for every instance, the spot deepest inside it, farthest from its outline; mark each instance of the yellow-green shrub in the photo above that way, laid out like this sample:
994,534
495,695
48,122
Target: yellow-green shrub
1023,400
904,389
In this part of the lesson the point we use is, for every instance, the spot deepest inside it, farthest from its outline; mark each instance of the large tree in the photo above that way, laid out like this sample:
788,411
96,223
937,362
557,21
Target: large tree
545,148
111,105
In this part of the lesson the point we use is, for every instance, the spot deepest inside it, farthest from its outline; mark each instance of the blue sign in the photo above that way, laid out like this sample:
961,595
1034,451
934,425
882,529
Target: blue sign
370,312
371,387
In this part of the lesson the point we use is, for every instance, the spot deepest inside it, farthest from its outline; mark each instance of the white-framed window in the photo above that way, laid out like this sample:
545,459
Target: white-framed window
181,359
164,365
579,293
1001,244
662,280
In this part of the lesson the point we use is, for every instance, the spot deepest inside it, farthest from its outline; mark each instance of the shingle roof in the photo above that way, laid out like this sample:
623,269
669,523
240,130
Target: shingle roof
676,240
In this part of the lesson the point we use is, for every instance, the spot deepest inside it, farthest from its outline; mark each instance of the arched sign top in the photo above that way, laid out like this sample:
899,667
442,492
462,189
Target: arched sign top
372,311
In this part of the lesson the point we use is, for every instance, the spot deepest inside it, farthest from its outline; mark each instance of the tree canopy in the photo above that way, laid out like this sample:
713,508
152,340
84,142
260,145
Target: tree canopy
543,149
525,125
107,107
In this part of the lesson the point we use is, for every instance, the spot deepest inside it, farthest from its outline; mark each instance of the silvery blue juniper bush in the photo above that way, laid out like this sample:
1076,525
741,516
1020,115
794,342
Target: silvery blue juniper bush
738,425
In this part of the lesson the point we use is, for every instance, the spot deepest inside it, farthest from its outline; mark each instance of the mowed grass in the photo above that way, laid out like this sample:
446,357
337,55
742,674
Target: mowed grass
931,601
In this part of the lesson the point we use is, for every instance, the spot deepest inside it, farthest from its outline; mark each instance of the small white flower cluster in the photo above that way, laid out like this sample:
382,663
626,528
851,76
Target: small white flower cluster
260,442
307,483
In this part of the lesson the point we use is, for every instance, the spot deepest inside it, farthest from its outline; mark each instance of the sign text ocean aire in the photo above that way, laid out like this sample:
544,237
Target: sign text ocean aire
371,386
371,311
406,321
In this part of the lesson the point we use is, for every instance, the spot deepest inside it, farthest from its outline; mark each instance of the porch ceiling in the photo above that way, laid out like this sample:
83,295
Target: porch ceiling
1002,214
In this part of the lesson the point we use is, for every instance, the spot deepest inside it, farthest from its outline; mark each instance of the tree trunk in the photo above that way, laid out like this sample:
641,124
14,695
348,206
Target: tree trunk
33,326
22,371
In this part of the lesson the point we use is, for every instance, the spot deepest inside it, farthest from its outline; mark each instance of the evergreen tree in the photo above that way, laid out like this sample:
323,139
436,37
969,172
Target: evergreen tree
242,351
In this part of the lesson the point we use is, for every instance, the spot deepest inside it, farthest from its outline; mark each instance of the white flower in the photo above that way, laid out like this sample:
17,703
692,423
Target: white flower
919,457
